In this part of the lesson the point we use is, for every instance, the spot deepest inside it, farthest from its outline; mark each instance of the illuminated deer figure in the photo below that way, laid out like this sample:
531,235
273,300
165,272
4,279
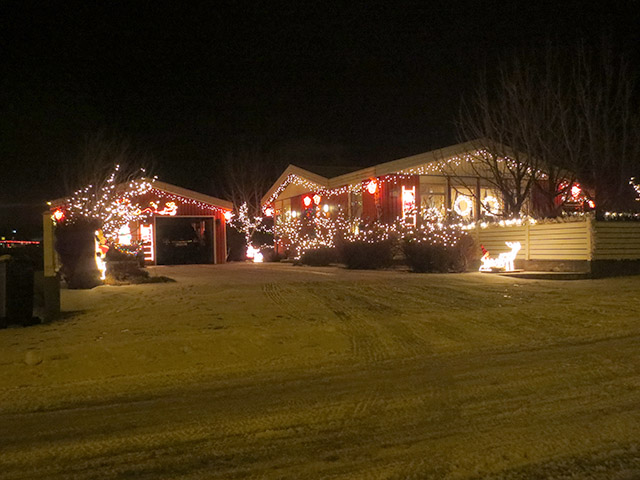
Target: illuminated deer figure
504,262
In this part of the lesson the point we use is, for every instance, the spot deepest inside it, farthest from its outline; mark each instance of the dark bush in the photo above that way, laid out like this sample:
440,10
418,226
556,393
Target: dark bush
426,257
125,271
270,255
319,257
236,246
125,253
75,245
366,255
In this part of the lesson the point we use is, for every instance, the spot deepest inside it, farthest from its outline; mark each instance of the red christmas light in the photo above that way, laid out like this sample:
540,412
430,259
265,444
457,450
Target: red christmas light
58,215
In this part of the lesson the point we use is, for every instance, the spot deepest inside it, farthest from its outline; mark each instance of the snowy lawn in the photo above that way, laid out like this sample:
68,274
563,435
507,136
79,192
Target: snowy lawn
276,371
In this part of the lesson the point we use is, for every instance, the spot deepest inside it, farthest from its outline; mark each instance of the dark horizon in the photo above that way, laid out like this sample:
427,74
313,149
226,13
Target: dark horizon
185,83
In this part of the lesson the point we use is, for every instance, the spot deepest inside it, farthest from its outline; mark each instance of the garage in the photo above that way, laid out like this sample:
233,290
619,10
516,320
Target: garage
184,240
185,227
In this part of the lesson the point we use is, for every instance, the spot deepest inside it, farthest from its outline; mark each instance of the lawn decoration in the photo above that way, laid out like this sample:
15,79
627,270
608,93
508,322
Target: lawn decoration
504,262
101,253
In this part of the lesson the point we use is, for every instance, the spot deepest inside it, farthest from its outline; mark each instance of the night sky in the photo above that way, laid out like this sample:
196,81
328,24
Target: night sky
374,81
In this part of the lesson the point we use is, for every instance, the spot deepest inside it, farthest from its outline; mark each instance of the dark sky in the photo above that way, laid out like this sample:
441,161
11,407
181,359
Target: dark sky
381,80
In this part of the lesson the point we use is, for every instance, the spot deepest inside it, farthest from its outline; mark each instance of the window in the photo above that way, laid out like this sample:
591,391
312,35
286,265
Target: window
491,202
463,202
355,204
432,195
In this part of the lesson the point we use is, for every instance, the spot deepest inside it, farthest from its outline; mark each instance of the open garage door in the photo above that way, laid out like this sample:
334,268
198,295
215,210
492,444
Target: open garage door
184,240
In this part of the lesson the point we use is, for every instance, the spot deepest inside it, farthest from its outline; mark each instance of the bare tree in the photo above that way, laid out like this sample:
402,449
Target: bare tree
105,169
247,174
98,156
549,120
609,117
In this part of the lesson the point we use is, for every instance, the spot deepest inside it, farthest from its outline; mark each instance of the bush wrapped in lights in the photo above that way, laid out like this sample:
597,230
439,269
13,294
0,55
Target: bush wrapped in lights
366,246
98,210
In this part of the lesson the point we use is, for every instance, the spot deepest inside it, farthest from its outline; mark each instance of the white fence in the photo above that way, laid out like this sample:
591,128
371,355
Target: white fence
576,240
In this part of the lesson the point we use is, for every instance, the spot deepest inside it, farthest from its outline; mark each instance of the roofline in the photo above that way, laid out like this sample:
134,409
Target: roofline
185,192
174,189
295,170
380,169
400,164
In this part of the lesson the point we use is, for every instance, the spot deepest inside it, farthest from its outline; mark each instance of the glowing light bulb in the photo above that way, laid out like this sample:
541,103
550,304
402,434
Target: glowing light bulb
58,215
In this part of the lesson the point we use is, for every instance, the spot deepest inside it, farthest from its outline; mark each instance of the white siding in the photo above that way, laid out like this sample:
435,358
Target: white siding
580,240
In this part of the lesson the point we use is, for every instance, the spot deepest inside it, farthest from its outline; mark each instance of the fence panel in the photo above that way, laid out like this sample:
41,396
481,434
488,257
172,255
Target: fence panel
560,241
616,241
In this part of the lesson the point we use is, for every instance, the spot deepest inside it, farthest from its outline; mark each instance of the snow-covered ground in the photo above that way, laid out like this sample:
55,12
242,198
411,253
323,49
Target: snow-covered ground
276,371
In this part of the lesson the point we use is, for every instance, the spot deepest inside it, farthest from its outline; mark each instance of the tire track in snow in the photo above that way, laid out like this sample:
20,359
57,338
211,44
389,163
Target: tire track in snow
375,330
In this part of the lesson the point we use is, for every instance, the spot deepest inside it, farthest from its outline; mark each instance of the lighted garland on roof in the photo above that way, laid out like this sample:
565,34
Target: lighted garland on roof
437,167
479,156
293,179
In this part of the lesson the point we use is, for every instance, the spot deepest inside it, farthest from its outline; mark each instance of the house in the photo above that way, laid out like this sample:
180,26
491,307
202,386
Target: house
175,225
439,180
448,180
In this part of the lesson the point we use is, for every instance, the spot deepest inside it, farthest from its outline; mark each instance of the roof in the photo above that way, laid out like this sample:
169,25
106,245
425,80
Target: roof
300,172
175,190
185,192
386,168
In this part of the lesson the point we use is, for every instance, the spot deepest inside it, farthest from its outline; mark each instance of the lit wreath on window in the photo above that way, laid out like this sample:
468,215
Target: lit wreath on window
491,205
463,205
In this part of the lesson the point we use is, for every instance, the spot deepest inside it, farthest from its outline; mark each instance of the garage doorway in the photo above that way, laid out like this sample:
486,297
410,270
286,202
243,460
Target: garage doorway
184,240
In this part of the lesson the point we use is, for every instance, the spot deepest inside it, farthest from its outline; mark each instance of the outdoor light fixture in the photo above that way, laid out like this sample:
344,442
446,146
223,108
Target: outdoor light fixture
316,199
325,208
228,215
306,201
58,215
372,187
268,212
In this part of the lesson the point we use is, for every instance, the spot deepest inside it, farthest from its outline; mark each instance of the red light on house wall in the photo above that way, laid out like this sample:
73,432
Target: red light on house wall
306,201
228,215
372,187
58,215
268,212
